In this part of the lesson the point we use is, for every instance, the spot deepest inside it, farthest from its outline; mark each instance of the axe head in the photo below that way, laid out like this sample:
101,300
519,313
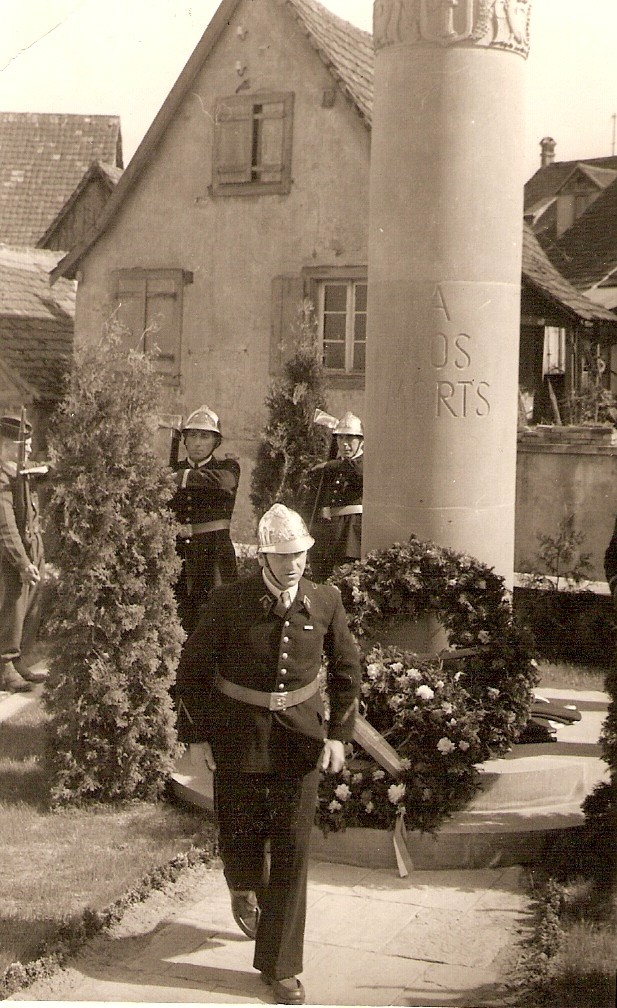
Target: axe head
324,419
170,421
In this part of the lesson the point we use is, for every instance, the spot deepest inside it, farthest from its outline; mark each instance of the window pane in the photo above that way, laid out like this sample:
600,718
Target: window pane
361,291
360,327
335,297
334,356
359,356
334,327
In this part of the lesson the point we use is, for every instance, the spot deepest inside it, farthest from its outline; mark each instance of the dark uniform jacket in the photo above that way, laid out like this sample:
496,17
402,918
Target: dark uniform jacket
206,493
333,485
241,638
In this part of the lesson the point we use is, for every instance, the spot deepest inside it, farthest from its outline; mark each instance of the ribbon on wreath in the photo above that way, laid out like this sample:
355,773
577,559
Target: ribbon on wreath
401,851
387,757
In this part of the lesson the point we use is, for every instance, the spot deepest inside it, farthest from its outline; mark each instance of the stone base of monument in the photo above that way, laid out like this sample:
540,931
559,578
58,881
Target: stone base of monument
525,798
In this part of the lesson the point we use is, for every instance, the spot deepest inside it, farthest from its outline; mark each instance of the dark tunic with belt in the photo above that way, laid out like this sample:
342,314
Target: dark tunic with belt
336,495
203,505
266,757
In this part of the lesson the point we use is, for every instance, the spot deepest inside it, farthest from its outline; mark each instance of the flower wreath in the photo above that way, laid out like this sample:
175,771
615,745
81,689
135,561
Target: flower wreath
442,714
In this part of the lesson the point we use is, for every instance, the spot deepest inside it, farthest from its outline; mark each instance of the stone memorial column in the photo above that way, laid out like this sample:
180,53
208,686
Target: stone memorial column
445,234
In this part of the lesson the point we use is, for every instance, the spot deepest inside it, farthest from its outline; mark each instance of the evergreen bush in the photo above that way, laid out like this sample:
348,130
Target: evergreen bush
291,442
114,630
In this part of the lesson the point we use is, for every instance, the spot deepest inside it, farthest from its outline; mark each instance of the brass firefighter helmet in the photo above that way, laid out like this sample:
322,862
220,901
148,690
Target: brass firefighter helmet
282,530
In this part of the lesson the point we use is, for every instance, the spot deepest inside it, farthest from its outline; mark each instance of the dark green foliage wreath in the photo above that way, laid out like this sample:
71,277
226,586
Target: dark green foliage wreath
114,629
442,716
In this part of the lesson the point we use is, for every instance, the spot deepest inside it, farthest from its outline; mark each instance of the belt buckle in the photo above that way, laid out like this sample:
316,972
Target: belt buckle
278,701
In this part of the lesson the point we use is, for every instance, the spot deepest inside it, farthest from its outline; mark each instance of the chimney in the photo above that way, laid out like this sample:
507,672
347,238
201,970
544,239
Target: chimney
547,147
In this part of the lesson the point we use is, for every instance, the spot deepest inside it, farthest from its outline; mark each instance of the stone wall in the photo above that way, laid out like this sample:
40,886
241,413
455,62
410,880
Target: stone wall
560,472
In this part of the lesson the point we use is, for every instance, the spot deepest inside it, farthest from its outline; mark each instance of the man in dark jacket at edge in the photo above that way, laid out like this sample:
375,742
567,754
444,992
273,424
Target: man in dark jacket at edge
249,702
610,565
203,505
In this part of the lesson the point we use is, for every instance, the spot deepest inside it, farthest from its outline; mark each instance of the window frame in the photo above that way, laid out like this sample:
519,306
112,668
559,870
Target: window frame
315,279
244,102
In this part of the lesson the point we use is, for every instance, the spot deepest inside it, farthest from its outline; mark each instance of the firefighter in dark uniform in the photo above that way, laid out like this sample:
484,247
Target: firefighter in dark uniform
249,703
336,496
22,560
203,505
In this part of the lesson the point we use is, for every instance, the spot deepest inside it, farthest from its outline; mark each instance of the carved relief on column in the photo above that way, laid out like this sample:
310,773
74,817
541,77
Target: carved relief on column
491,24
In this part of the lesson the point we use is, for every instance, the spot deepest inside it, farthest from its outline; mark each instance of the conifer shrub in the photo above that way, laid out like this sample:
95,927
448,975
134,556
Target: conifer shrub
114,632
291,442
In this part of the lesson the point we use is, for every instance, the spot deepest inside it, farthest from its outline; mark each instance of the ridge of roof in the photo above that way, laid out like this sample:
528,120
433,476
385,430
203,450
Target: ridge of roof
548,179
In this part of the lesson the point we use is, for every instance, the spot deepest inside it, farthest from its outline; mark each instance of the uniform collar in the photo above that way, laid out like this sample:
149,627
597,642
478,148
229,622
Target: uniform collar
200,465
275,590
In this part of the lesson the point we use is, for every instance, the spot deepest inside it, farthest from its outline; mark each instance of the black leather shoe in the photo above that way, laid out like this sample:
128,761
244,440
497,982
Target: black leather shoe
286,991
246,912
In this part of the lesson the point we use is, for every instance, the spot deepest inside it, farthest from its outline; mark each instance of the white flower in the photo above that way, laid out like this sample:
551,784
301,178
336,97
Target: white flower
373,670
439,684
463,746
396,793
334,806
414,674
345,773
342,792
425,692
369,806
447,708
457,676
356,778
405,763
493,692
397,667
445,745
378,775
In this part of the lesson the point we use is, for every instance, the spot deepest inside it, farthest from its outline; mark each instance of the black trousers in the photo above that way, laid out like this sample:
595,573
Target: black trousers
253,809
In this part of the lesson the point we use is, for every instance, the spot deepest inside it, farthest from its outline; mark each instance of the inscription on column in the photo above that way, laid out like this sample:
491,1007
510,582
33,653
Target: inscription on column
455,389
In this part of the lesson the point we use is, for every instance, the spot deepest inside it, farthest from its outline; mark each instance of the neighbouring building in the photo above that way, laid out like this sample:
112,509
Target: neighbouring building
36,335
44,158
247,195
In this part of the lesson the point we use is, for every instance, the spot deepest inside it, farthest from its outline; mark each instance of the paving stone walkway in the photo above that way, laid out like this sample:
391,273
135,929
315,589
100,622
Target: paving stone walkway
434,939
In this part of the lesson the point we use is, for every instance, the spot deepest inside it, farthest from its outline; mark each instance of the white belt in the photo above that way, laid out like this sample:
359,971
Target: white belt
347,509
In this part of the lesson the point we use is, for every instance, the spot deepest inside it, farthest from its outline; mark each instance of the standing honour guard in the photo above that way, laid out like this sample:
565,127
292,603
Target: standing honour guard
249,703
335,497
203,505
22,560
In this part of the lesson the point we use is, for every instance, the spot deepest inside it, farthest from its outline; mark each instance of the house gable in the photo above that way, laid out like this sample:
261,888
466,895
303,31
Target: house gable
43,156
78,217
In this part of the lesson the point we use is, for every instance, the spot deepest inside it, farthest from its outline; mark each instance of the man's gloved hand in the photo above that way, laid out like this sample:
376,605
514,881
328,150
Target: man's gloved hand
333,756
30,574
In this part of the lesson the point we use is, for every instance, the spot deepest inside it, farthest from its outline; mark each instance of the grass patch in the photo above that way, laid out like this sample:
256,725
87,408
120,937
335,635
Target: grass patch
567,675
56,864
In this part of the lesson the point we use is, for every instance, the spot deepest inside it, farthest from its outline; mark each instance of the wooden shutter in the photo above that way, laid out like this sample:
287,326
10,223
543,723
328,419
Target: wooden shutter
287,298
233,141
130,297
164,318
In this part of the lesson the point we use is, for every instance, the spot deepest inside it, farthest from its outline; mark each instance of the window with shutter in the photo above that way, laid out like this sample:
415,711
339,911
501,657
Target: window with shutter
252,144
149,313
